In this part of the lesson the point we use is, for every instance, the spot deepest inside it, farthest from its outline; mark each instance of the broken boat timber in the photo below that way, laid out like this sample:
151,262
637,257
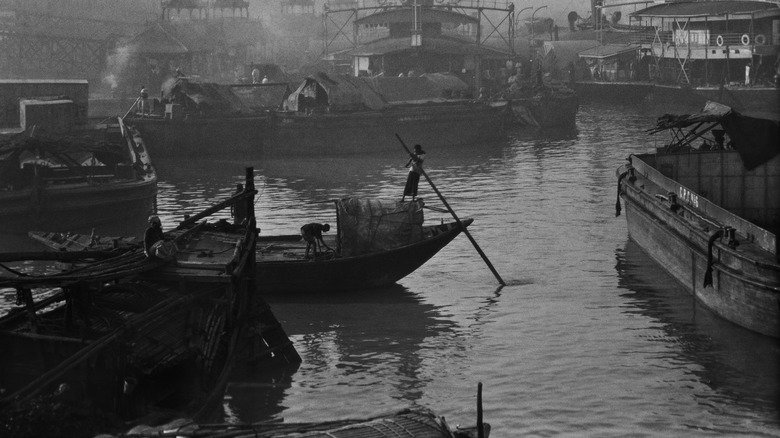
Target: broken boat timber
706,209
74,181
128,337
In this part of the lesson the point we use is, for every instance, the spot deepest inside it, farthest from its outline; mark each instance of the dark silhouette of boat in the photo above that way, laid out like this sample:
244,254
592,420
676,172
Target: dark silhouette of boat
329,115
75,180
123,338
377,243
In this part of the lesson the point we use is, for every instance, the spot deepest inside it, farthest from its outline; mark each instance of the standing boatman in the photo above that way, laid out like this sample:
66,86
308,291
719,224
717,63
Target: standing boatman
144,101
415,169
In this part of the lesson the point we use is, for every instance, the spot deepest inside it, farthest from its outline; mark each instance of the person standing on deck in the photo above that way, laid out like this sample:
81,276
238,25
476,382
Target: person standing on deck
255,75
143,100
312,234
415,169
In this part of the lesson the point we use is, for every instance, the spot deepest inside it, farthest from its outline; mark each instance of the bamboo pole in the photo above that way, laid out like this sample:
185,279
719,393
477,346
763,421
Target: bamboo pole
455,216
131,107
246,194
480,423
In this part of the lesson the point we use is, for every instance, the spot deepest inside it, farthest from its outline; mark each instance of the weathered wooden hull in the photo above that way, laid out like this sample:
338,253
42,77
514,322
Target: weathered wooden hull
433,126
67,196
279,134
352,273
745,285
78,207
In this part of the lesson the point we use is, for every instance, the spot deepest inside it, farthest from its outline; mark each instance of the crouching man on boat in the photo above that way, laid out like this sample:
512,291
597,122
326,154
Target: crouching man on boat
312,234
155,244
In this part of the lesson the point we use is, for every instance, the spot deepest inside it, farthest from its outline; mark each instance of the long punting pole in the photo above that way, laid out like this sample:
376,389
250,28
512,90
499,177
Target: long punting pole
446,204
480,423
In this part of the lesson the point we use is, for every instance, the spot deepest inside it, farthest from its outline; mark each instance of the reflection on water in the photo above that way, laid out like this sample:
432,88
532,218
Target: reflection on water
588,337
375,340
736,363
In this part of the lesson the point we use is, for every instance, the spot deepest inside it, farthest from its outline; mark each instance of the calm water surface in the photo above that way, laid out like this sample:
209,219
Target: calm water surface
589,337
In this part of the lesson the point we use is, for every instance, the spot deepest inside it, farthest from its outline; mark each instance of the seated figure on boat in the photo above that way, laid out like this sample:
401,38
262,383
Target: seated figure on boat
153,234
155,243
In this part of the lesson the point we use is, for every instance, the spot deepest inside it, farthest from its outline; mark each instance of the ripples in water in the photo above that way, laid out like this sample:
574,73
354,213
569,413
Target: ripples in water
589,337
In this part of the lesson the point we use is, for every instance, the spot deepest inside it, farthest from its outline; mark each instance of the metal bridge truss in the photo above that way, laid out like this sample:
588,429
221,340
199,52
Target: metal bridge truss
349,12
43,56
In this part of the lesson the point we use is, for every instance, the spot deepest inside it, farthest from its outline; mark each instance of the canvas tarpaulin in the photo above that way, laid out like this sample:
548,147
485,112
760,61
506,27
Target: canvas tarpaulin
757,140
340,93
429,86
371,225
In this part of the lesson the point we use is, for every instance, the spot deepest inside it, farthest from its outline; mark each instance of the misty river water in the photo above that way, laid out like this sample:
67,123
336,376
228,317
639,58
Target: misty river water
588,338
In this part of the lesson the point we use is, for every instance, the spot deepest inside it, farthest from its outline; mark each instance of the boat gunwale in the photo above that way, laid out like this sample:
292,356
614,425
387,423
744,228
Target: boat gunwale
450,233
765,239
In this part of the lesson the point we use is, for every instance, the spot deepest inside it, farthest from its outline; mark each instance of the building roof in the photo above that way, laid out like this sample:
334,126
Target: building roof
567,51
426,15
608,50
196,36
706,8
444,45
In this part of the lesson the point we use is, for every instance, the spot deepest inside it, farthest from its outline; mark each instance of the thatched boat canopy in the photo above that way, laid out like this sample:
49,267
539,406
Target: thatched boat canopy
338,93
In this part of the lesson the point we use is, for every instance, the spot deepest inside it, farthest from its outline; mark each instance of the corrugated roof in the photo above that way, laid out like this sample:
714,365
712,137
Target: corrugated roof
608,50
406,15
705,8
446,45
567,51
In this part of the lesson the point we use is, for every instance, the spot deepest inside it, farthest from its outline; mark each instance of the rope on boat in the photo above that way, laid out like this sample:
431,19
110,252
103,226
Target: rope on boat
617,203
708,274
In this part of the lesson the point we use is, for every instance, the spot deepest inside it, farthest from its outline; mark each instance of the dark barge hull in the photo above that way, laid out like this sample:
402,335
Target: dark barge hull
745,279
434,126
205,136
78,207
353,273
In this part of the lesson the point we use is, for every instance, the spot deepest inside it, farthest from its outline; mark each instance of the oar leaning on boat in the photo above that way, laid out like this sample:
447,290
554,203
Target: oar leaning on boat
452,212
